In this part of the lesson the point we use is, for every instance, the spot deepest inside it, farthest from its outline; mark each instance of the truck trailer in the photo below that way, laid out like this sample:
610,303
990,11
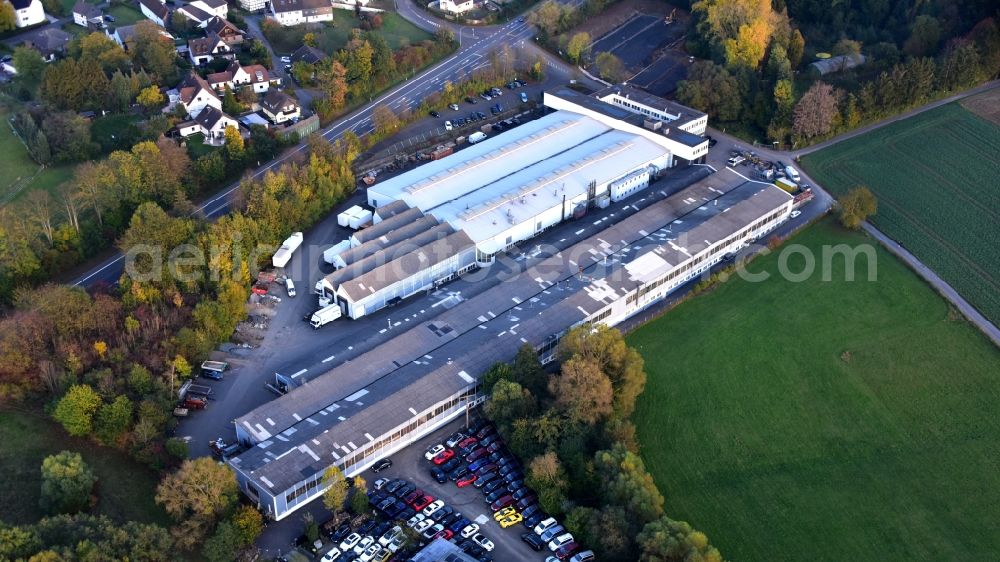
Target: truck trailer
325,315
288,247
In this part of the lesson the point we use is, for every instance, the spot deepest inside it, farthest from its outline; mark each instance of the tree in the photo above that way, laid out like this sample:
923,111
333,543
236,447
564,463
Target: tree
249,524
738,30
796,48
30,65
230,105
546,474
68,136
609,67
66,483
336,492
151,98
815,112
856,206
358,61
223,545
925,35
546,17
333,81
75,411
527,370
712,89
582,391
606,348
384,120
8,17
234,144
103,49
303,72
578,46
154,52
359,497
666,540
113,420
625,482
509,401
199,488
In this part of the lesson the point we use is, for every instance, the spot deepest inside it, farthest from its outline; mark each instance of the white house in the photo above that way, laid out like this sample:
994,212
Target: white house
206,49
456,6
88,15
155,10
28,12
213,124
252,5
280,107
236,77
196,95
125,36
294,12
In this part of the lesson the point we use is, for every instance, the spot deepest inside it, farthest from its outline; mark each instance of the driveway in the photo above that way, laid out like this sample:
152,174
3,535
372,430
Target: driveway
304,96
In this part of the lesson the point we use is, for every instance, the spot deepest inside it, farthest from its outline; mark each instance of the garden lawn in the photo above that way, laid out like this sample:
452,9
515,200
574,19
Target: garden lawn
936,179
125,488
124,15
332,36
825,421
16,167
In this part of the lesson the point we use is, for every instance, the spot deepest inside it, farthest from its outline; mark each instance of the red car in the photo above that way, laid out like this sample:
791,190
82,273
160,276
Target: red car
445,534
465,480
467,442
476,455
566,550
443,457
421,502
501,503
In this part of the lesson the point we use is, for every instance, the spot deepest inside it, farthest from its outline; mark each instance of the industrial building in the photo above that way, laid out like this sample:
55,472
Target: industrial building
590,152
427,375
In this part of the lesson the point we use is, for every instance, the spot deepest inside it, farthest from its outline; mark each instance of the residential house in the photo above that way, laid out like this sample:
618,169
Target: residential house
49,42
215,7
279,107
253,5
456,6
207,49
28,12
156,11
213,124
88,15
195,14
226,31
196,94
236,77
308,54
125,35
294,12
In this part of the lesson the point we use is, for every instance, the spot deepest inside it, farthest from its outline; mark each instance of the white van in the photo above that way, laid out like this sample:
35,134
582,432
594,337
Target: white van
478,136
289,287
792,174
447,125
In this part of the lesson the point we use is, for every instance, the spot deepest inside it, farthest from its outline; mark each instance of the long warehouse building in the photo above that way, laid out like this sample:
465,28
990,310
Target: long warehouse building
428,375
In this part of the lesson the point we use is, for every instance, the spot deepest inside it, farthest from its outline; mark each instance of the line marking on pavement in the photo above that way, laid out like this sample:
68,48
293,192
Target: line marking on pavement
330,358
299,373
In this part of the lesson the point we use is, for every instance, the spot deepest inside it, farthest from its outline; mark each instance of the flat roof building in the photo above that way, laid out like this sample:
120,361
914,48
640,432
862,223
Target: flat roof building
428,375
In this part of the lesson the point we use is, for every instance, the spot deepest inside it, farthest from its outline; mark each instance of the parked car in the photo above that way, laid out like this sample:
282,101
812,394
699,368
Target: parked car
585,556
560,541
491,486
453,106
434,450
431,531
459,472
455,439
286,59
475,455
552,532
331,555
470,99
404,491
474,465
435,113
485,479
524,97
451,465
522,492
395,485
564,551
483,542
512,519
380,483
439,475
447,126
545,525
502,502
467,443
422,502
349,543
465,480
443,457
413,521
526,502
432,507
445,534
533,541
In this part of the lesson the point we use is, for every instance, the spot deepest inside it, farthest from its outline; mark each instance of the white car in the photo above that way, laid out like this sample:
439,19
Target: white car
423,525
370,553
453,107
380,483
286,59
390,535
558,542
431,531
290,287
585,556
434,506
795,214
552,532
365,544
333,554
396,543
469,530
415,520
545,525
434,451
447,125
350,541
483,542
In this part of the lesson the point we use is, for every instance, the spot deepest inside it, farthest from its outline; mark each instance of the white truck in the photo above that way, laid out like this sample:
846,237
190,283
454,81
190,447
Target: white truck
478,136
288,247
325,315
792,174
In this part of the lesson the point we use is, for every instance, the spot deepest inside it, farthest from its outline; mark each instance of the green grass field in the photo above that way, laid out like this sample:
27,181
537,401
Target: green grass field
936,179
124,15
825,421
18,172
332,36
125,488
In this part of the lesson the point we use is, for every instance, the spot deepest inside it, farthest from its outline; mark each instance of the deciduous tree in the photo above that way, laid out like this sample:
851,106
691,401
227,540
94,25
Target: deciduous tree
249,524
625,482
666,540
609,67
151,98
581,391
815,112
8,17
578,47
384,120
66,483
336,492
856,206
196,496
606,348
75,411
712,89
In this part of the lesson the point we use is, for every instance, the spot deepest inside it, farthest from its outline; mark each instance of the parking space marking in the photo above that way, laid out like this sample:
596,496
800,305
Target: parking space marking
299,373
330,358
